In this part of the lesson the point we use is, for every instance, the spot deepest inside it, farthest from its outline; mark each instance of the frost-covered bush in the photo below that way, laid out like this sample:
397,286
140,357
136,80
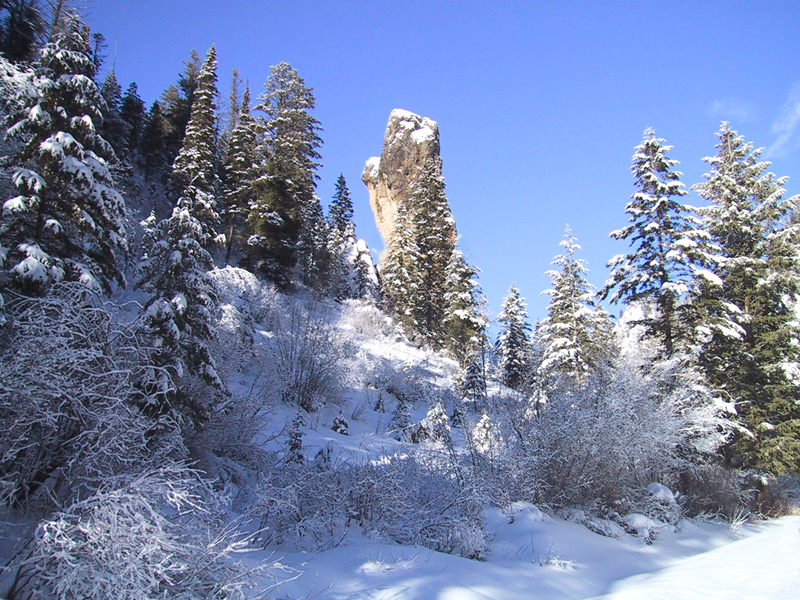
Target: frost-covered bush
68,400
366,319
155,535
420,498
629,426
307,358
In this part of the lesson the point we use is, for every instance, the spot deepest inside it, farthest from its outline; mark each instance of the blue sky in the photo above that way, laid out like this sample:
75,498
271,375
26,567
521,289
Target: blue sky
539,104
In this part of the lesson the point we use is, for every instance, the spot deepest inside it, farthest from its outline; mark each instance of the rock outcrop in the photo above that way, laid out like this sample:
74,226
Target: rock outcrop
409,140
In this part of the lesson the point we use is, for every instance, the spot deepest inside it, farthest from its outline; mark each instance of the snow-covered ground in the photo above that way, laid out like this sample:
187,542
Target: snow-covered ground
540,557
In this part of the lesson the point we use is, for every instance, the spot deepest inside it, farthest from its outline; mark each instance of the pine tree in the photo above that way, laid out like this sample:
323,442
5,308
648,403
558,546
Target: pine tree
177,101
670,247
576,331
464,321
152,143
399,273
114,128
314,248
435,233
750,221
239,173
287,173
132,113
67,220
513,344
340,213
195,164
473,389
180,308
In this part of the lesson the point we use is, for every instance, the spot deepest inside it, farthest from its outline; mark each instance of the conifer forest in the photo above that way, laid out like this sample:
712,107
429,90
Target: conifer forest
212,388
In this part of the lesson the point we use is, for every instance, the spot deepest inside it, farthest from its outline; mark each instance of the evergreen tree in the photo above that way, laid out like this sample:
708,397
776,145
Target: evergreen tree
288,173
473,389
340,213
21,30
435,232
67,220
196,162
179,310
366,284
513,344
670,247
239,173
400,274
576,331
750,220
464,321
314,248
152,142
114,128
132,113
177,101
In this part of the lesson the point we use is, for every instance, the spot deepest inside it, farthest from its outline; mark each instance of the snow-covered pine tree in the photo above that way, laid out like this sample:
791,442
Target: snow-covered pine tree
314,247
114,128
473,389
670,248
132,113
464,320
67,220
152,143
575,333
751,221
195,164
435,233
288,171
340,212
400,274
513,343
176,104
239,174
179,311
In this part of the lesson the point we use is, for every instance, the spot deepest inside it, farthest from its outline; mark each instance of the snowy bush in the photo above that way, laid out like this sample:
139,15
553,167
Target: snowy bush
366,319
629,426
155,535
68,399
307,358
415,499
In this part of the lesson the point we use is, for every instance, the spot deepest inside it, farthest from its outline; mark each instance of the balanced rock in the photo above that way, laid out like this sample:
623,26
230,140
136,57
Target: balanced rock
409,141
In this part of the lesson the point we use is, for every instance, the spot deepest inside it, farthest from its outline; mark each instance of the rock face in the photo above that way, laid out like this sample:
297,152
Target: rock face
409,140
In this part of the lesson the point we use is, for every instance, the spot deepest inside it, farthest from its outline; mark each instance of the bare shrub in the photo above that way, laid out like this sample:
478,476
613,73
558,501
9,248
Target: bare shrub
68,399
155,535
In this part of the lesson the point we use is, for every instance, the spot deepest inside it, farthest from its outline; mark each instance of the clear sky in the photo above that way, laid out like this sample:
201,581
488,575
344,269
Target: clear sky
539,104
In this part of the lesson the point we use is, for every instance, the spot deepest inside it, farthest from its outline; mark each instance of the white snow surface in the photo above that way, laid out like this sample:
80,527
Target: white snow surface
539,557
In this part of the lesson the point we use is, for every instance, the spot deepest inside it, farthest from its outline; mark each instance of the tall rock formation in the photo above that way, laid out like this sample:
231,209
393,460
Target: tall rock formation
409,141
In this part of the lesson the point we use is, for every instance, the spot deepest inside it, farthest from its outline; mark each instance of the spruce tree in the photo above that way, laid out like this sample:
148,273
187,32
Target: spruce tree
576,331
670,248
177,101
239,174
513,343
750,220
152,143
340,213
314,248
195,164
464,321
435,233
400,274
67,220
132,113
287,173
114,128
